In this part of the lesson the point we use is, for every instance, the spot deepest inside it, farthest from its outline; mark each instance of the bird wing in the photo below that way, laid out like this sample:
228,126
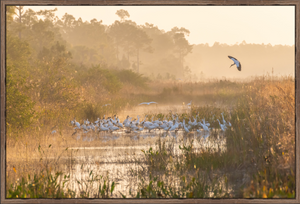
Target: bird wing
235,60
238,64
152,102
143,103
232,58
239,67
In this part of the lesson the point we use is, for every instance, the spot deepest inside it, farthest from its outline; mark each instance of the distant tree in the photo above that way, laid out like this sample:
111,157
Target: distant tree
42,34
91,37
180,30
139,40
134,66
29,18
122,14
38,33
187,72
67,22
131,38
48,14
85,55
182,46
116,32
168,50
124,63
19,10
10,12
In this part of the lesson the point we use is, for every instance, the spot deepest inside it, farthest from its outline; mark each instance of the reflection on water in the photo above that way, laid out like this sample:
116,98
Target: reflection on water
119,161
119,155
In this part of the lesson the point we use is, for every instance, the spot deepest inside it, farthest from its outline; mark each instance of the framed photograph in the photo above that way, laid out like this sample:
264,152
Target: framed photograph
150,101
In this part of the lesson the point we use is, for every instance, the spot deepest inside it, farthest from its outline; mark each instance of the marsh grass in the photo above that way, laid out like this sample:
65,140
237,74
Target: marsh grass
170,175
270,183
195,187
260,146
87,186
48,179
261,142
42,185
47,184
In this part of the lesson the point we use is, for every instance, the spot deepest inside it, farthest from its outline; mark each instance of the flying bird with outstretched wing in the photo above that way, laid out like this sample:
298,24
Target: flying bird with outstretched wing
236,62
147,103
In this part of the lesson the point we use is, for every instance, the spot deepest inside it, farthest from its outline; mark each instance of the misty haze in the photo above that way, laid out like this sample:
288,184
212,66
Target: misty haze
129,110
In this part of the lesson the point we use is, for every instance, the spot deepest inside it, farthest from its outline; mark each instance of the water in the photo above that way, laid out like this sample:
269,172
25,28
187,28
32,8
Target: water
118,160
119,155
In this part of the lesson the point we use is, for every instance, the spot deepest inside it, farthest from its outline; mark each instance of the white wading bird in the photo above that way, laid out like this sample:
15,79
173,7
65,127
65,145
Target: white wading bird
107,105
186,129
222,126
236,62
147,103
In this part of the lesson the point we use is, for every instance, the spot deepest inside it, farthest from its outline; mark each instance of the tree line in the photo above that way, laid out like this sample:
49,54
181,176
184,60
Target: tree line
121,45
54,66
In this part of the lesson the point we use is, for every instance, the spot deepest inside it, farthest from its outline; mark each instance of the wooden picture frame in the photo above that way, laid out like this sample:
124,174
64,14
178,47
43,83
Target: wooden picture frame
4,3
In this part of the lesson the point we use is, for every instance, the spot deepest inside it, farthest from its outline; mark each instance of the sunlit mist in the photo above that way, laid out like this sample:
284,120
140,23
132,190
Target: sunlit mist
150,102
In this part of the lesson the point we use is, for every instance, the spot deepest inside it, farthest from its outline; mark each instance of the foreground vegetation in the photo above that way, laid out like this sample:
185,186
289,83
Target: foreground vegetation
260,144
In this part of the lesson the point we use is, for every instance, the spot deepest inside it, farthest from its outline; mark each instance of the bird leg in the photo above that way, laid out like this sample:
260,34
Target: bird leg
232,65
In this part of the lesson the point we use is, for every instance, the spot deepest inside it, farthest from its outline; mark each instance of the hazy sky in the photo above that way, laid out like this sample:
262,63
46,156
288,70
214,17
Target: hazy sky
207,24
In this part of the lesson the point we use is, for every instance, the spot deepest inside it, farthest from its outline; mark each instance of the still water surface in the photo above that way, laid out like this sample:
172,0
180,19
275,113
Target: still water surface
119,161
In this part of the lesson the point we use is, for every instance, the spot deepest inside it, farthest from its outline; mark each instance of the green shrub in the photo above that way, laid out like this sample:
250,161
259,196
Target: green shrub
128,76
99,76
19,107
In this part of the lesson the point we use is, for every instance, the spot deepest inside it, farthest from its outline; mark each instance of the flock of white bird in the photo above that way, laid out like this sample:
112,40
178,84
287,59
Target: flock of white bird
130,125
